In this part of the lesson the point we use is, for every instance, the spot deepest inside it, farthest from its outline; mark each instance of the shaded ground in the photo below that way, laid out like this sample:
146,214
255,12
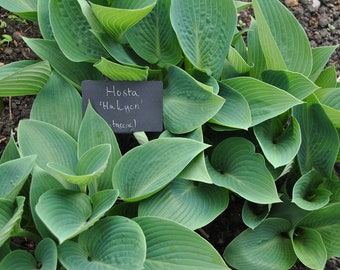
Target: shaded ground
322,24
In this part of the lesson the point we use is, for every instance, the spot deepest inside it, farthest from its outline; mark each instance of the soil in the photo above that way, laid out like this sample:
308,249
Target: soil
320,19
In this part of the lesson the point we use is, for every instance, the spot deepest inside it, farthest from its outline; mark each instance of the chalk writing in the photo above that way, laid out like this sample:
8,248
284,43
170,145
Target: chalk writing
126,106
118,106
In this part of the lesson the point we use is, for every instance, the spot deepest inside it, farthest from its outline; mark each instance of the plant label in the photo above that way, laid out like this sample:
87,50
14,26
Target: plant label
126,106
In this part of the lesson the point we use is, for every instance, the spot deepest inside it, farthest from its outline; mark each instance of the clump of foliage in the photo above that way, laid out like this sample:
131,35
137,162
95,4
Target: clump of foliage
258,119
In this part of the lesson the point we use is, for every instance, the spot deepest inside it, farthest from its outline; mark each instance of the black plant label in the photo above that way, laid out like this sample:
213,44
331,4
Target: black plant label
125,105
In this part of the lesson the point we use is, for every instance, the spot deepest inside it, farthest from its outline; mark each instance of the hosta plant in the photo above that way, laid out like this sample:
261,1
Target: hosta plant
251,114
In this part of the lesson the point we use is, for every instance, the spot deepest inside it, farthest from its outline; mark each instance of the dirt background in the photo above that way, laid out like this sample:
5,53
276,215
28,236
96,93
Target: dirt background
320,19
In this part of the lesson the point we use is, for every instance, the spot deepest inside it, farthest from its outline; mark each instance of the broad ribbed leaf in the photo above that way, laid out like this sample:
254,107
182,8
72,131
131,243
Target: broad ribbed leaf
280,140
235,112
237,61
320,142
172,246
265,101
309,248
188,103
48,142
114,243
19,260
330,102
146,169
122,53
189,203
197,168
90,166
44,19
236,166
25,8
122,15
254,214
294,83
95,131
153,37
10,152
255,54
65,110
308,193
264,248
79,210
77,43
13,67
13,175
45,253
326,222
327,78
73,72
206,33
10,216
283,40
41,182
23,79
240,5
321,56
118,72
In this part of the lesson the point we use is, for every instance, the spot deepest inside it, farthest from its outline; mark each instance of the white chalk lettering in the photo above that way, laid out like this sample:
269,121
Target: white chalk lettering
121,92
129,125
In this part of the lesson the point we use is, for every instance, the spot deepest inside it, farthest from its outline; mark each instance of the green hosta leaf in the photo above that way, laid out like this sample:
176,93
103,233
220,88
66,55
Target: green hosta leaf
24,8
189,203
320,142
236,166
235,112
185,251
13,175
188,103
118,72
73,72
238,63
79,210
114,243
308,193
294,83
329,97
77,43
95,131
10,152
122,15
255,53
141,172
279,31
264,248
23,79
45,253
326,222
90,166
321,56
309,248
327,78
9,69
196,169
41,182
265,101
119,52
10,216
254,214
279,143
153,37
241,5
65,110
206,33
58,146
4,250
44,19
